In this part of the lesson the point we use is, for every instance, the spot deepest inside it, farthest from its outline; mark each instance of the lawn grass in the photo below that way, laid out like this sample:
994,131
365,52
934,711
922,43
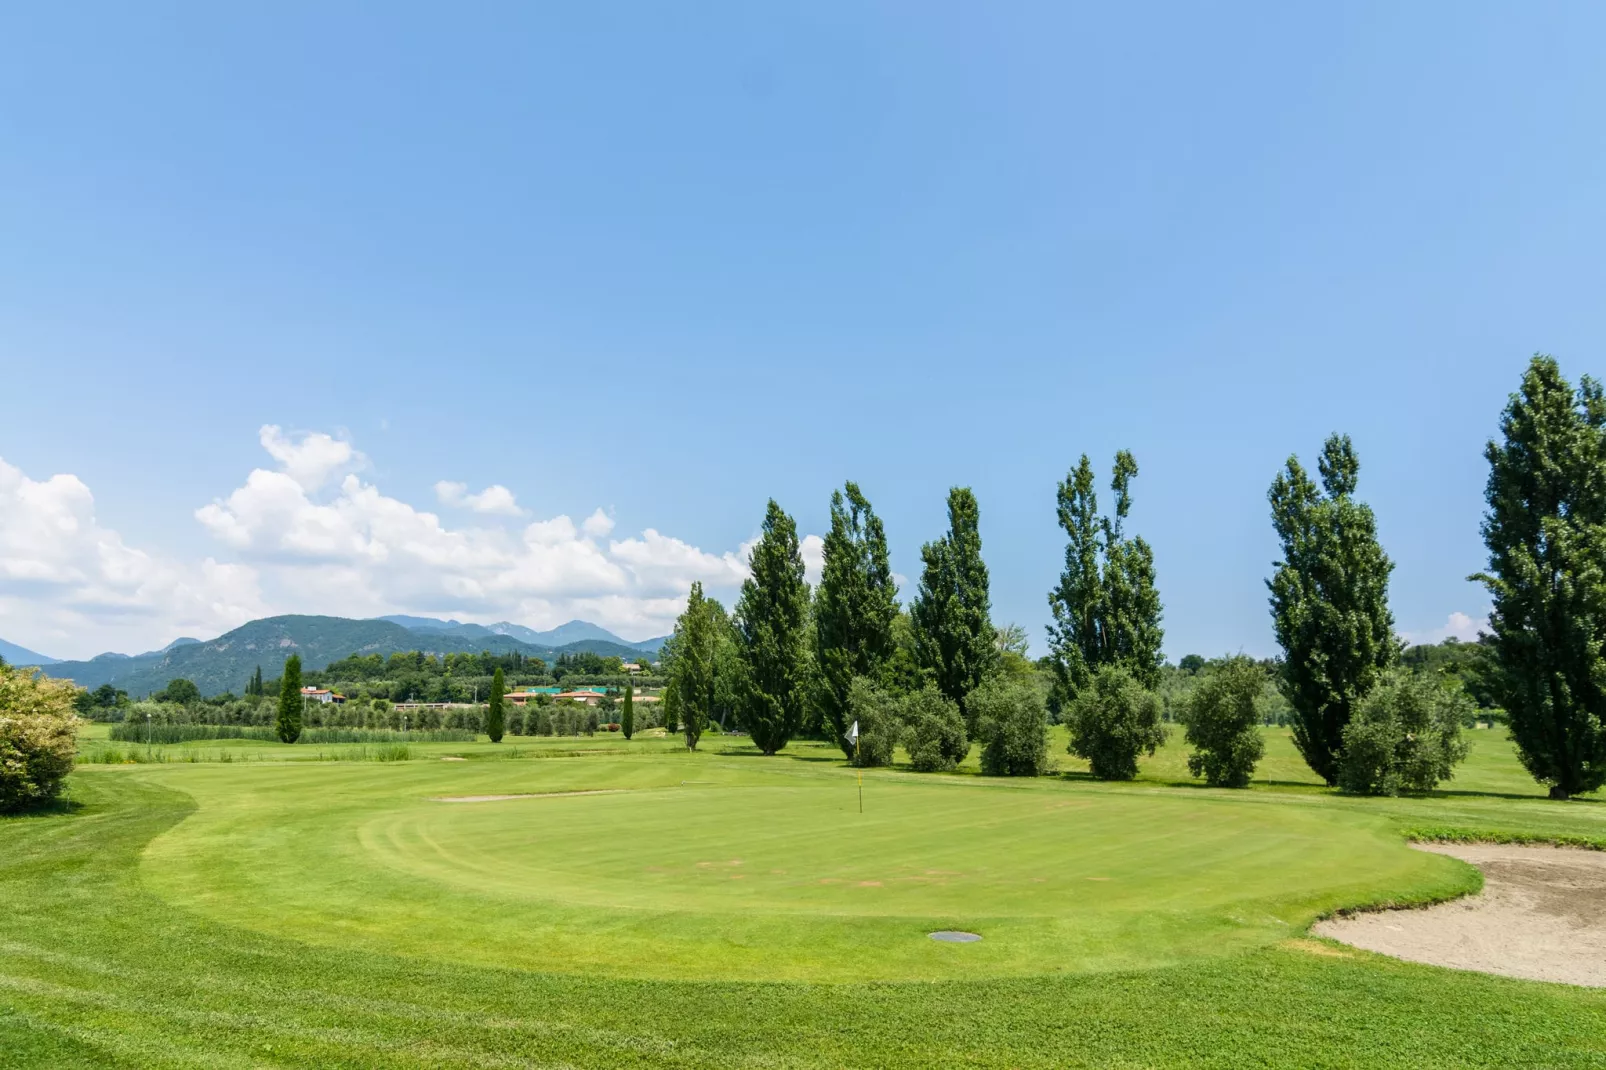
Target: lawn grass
332,913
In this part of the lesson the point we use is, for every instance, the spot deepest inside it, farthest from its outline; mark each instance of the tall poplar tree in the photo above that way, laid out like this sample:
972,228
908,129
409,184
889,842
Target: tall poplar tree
692,672
854,609
627,713
495,715
1546,534
1106,607
289,725
772,618
953,630
1329,601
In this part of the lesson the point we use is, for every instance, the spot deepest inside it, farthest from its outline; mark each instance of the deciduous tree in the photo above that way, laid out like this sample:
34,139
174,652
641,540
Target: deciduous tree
772,619
954,636
38,737
1112,721
855,609
1329,601
1222,722
1405,736
1546,534
693,673
290,700
1106,608
1013,726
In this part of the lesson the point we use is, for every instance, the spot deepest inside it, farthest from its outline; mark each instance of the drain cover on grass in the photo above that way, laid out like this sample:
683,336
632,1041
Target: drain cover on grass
950,936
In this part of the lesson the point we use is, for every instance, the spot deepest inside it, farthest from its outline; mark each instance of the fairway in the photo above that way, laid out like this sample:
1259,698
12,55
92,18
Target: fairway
708,867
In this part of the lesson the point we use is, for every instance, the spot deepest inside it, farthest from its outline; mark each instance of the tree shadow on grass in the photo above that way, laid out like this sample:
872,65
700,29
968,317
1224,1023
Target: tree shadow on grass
58,807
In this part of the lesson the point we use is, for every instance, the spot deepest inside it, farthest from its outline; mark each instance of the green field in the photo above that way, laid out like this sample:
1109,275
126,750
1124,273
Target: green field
240,903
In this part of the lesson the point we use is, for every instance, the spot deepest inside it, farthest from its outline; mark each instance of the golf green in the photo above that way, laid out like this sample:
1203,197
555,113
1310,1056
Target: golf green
742,868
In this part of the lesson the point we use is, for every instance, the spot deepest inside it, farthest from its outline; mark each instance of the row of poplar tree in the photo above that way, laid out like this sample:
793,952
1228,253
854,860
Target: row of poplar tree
789,657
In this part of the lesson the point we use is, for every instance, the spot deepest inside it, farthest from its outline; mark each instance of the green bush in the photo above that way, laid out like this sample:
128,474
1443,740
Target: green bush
1405,736
879,723
934,731
1222,721
1112,721
1013,725
38,737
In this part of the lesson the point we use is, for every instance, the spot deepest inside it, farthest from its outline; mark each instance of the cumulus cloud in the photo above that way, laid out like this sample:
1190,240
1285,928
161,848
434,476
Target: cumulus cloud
70,587
495,499
356,551
1461,626
306,533
311,458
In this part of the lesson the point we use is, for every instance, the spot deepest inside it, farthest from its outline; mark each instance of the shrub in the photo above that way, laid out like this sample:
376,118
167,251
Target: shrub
879,724
1111,721
38,737
935,731
1222,719
1405,736
1013,725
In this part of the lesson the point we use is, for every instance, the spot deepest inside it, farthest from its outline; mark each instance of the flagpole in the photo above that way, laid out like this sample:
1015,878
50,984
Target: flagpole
861,772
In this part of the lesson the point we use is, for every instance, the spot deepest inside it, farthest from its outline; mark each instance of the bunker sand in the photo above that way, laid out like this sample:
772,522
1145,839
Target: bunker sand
1541,916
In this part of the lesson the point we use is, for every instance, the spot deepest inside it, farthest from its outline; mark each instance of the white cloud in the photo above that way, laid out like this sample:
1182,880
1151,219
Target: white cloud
307,534
1458,625
812,550
495,499
311,459
72,588
358,552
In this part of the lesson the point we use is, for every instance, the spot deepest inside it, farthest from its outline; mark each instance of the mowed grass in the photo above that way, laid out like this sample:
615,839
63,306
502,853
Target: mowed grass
334,913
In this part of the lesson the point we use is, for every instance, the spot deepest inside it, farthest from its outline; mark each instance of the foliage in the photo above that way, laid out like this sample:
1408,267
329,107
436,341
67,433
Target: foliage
1012,724
772,619
38,737
1465,664
954,637
693,668
855,609
184,692
1546,534
1106,608
1112,721
934,731
1329,599
627,713
1405,737
495,719
669,709
290,701
880,725
104,703
1222,720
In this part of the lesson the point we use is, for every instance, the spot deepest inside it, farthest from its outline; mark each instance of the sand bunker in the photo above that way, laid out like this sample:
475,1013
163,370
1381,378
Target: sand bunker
1541,916
529,795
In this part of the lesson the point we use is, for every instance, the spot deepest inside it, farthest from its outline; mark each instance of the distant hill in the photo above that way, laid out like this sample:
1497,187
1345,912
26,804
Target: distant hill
422,624
225,663
21,655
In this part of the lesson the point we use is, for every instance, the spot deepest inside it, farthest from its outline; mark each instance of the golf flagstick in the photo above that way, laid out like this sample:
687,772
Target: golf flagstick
853,734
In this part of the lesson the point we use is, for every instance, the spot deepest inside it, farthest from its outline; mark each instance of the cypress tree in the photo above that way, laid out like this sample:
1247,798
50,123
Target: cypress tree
953,631
1546,534
1329,601
1106,608
772,617
627,714
289,725
855,608
495,715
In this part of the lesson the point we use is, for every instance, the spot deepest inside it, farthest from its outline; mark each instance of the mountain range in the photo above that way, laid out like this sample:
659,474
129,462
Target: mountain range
225,663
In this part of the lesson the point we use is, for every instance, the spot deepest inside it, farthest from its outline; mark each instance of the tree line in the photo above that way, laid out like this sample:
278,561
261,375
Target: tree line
937,676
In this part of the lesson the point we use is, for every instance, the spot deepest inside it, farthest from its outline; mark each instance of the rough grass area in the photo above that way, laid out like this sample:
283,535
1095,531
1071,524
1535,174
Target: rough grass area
114,952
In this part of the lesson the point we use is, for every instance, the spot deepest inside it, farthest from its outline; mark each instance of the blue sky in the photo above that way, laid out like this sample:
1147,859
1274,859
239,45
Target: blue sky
668,262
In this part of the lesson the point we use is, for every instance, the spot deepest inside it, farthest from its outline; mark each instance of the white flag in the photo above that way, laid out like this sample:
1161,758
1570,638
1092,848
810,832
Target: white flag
853,732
